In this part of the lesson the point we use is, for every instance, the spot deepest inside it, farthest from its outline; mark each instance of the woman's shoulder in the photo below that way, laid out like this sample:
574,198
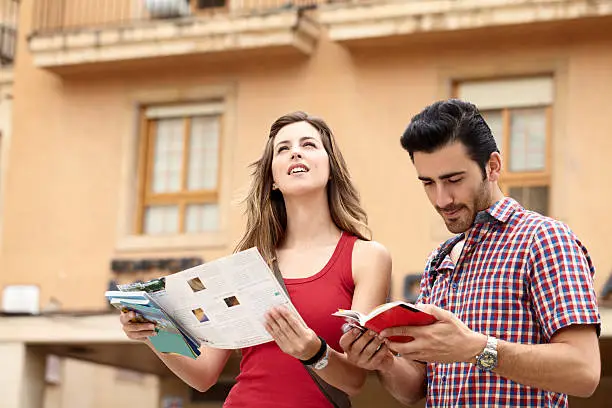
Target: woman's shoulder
370,254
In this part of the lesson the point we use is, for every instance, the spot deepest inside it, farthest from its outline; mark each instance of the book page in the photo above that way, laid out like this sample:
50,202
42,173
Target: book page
351,316
223,302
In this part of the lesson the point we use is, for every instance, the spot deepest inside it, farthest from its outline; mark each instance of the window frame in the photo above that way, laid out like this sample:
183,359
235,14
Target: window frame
146,151
509,179
127,243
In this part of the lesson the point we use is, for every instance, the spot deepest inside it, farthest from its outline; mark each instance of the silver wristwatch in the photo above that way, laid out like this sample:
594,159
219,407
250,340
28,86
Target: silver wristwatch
322,362
487,360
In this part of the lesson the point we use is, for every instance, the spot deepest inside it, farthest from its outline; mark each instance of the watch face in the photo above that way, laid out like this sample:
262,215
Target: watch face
487,361
322,363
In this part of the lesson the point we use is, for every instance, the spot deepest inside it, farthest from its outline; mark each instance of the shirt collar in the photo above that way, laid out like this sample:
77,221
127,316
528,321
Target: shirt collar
501,211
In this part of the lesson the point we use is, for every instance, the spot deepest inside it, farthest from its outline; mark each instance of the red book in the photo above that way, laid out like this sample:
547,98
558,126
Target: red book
393,314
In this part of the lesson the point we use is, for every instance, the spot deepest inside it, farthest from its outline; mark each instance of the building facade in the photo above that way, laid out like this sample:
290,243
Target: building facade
127,130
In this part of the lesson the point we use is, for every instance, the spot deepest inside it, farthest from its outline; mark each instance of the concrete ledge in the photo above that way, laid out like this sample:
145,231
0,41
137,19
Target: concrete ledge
96,338
157,39
379,18
62,328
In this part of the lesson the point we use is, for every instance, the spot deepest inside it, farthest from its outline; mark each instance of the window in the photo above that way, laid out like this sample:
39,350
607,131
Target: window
519,113
179,169
208,4
180,8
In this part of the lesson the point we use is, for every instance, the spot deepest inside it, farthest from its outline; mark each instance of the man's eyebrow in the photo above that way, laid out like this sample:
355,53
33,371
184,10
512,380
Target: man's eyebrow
453,174
444,176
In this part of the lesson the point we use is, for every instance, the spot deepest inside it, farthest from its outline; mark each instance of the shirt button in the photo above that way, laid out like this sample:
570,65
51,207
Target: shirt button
443,378
454,286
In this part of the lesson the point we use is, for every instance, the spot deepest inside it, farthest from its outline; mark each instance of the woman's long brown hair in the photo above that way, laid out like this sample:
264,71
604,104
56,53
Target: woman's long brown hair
265,210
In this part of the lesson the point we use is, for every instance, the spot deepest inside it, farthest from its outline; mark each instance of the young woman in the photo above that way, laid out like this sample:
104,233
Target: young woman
304,216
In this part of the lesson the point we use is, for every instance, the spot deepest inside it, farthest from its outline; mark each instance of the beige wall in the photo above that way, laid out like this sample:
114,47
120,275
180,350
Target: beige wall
66,193
399,85
89,387
21,379
6,112
64,190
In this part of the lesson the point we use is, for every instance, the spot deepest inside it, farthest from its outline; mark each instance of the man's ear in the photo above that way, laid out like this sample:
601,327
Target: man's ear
494,167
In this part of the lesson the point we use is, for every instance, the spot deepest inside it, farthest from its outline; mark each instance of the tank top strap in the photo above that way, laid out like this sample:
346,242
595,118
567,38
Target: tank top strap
344,263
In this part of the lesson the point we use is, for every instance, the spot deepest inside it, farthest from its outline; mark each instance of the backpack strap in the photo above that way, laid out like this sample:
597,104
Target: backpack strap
444,250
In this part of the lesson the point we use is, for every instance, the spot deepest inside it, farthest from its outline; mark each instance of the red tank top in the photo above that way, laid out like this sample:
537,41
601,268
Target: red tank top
270,378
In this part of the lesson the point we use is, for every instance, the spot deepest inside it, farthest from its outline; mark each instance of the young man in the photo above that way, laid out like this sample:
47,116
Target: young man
513,292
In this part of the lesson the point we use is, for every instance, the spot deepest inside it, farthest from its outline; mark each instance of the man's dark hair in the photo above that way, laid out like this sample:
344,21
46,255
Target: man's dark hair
445,122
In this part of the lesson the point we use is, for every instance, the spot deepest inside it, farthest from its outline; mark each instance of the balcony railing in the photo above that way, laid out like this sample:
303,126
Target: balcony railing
68,15
9,11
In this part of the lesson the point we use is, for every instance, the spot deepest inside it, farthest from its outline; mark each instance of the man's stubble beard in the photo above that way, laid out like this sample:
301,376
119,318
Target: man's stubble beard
481,202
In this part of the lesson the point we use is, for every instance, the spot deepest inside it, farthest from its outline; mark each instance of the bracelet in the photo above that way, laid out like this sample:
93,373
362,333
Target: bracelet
318,355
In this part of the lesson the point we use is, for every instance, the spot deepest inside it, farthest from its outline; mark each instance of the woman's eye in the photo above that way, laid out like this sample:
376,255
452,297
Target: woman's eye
280,149
311,144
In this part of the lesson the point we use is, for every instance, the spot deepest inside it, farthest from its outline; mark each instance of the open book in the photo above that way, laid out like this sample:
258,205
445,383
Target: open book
219,304
391,314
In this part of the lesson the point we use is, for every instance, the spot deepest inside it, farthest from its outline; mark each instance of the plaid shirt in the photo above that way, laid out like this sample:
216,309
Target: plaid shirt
520,278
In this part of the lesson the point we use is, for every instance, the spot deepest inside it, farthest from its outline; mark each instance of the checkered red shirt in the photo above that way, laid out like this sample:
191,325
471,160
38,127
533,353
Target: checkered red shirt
521,277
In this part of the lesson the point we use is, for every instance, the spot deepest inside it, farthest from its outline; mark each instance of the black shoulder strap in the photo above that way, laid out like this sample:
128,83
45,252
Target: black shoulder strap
337,397
444,250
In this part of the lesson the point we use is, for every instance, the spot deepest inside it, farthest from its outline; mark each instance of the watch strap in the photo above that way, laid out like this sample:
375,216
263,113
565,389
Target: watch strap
487,359
491,344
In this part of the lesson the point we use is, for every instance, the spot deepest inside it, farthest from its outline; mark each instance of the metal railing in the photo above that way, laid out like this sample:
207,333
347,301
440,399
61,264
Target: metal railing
69,15
9,14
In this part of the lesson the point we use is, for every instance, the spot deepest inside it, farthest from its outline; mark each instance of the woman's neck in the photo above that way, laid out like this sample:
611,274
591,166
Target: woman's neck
309,222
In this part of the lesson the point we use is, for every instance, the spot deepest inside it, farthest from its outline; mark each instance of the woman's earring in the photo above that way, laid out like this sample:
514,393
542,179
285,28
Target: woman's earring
274,186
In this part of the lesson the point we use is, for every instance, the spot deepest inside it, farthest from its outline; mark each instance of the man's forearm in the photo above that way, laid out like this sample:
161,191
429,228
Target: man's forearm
554,367
405,380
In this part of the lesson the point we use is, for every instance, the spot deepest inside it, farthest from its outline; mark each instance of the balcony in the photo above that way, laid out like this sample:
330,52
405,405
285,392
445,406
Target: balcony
69,33
363,20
